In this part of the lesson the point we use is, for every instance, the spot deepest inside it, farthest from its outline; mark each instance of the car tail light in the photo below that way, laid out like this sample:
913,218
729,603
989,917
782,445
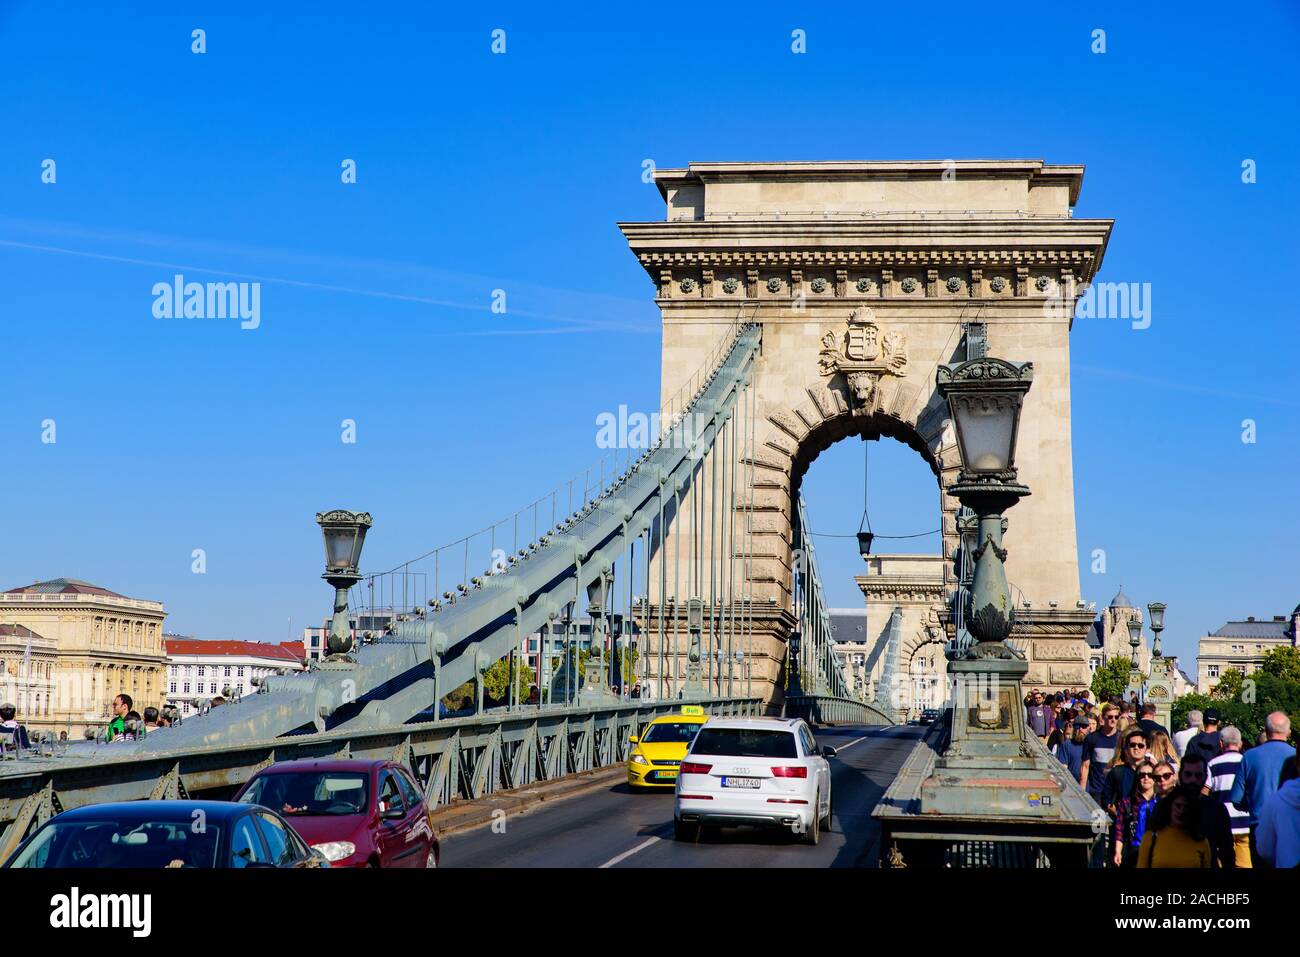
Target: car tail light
799,772
786,801
690,767
696,797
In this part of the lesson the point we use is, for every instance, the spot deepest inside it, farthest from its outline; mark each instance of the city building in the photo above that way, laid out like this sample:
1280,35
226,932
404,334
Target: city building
204,669
1108,638
914,586
27,663
1242,645
849,634
87,644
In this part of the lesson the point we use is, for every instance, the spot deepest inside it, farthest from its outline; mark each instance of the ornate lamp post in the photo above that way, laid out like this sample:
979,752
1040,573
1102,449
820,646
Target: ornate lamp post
992,764
793,652
616,653
1135,680
1157,612
344,533
1160,685
596,679
694,687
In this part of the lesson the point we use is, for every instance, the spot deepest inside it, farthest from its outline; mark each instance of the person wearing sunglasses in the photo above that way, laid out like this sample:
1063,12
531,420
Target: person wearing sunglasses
1122,774
1132,814
1098,750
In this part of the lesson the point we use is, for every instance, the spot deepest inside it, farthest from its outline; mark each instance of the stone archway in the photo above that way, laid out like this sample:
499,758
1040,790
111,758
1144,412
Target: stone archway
864,278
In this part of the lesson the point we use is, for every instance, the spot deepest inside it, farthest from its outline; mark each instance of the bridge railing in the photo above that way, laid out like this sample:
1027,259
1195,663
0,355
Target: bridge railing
829,709
453,759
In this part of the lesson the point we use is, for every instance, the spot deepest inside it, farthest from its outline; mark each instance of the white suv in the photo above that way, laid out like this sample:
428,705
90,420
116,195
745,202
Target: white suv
767,772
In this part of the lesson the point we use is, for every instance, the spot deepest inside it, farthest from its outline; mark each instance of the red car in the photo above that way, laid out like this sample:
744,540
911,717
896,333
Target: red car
357,813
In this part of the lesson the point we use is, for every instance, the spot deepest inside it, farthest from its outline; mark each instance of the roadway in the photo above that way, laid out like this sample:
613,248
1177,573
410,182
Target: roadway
614,827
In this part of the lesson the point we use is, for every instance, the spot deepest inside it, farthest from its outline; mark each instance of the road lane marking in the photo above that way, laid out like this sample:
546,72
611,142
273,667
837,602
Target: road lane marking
845,747
626,854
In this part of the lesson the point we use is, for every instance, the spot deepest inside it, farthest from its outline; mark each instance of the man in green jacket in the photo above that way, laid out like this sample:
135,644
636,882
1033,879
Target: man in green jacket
121,708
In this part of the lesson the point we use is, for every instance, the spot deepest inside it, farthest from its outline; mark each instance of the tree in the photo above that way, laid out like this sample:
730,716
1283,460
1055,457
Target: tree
1111,678
1230,685
1283,663
1245,703
496,680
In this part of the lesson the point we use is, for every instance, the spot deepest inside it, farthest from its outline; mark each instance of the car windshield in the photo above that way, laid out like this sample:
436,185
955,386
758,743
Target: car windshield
295,793
122,844
745,743
670,732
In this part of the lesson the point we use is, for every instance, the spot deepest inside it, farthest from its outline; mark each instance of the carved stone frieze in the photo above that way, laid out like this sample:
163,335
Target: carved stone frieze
863,355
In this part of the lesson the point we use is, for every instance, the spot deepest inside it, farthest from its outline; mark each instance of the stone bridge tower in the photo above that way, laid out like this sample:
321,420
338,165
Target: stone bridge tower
862,275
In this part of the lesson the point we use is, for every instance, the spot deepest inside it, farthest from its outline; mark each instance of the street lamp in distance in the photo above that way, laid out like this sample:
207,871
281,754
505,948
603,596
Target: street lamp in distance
345,534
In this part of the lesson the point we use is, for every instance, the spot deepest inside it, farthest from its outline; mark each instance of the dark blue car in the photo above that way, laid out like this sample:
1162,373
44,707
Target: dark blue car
161,834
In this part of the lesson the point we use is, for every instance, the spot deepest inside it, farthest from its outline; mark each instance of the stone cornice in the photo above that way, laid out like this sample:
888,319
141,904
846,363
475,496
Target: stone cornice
1031,169
1076,243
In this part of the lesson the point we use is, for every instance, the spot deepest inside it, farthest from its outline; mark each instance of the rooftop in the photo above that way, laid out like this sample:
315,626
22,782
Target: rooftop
63,586
288,652
1274,629
17,631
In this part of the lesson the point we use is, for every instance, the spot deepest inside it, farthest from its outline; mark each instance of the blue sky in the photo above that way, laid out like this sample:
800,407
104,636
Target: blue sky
478,172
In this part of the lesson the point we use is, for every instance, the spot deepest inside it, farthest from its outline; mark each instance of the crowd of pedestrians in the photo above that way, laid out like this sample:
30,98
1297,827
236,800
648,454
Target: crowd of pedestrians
1194,798
127,724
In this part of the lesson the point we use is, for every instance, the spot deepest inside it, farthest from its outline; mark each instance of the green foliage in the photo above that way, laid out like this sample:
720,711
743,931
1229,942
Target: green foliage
461,697
1111,679
496,680
1244,702
1230,686
1283,663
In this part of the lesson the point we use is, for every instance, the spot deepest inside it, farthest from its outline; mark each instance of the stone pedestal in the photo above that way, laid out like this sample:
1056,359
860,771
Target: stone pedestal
595,688
1160,690
988,767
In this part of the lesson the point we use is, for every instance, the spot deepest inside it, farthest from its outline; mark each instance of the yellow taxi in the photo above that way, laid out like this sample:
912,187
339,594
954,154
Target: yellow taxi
658,752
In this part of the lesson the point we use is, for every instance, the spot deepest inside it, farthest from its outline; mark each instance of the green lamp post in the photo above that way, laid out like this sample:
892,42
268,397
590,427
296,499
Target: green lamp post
992,765
1160,684
1135,679
694,687
344,533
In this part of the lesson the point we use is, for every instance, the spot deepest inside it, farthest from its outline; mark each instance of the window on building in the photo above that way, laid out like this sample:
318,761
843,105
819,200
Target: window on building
173,687
200,671
239,672
186,689
1212,671
212,688
227,674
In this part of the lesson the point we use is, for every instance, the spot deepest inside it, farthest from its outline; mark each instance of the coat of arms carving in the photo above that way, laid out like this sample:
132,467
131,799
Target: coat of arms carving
863,354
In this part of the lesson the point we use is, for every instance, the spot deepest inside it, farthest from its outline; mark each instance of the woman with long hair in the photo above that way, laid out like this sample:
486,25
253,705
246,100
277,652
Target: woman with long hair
1133,813
1160,747
1174,837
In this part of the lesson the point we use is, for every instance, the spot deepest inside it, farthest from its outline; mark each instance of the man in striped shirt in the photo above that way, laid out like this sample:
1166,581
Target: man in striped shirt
1221,775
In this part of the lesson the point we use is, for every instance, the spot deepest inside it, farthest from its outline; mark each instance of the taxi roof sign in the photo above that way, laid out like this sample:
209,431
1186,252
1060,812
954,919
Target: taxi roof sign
694,709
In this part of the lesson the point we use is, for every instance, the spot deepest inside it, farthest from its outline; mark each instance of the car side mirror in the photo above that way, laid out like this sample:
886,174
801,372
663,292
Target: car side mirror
635,739
828,752
392,814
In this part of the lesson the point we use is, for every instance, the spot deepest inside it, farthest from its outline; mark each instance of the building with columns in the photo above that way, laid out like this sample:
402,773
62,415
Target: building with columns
90,643
1242,645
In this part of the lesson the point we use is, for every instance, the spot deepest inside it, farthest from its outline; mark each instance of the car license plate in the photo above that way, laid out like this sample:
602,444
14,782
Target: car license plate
741,782
667,775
